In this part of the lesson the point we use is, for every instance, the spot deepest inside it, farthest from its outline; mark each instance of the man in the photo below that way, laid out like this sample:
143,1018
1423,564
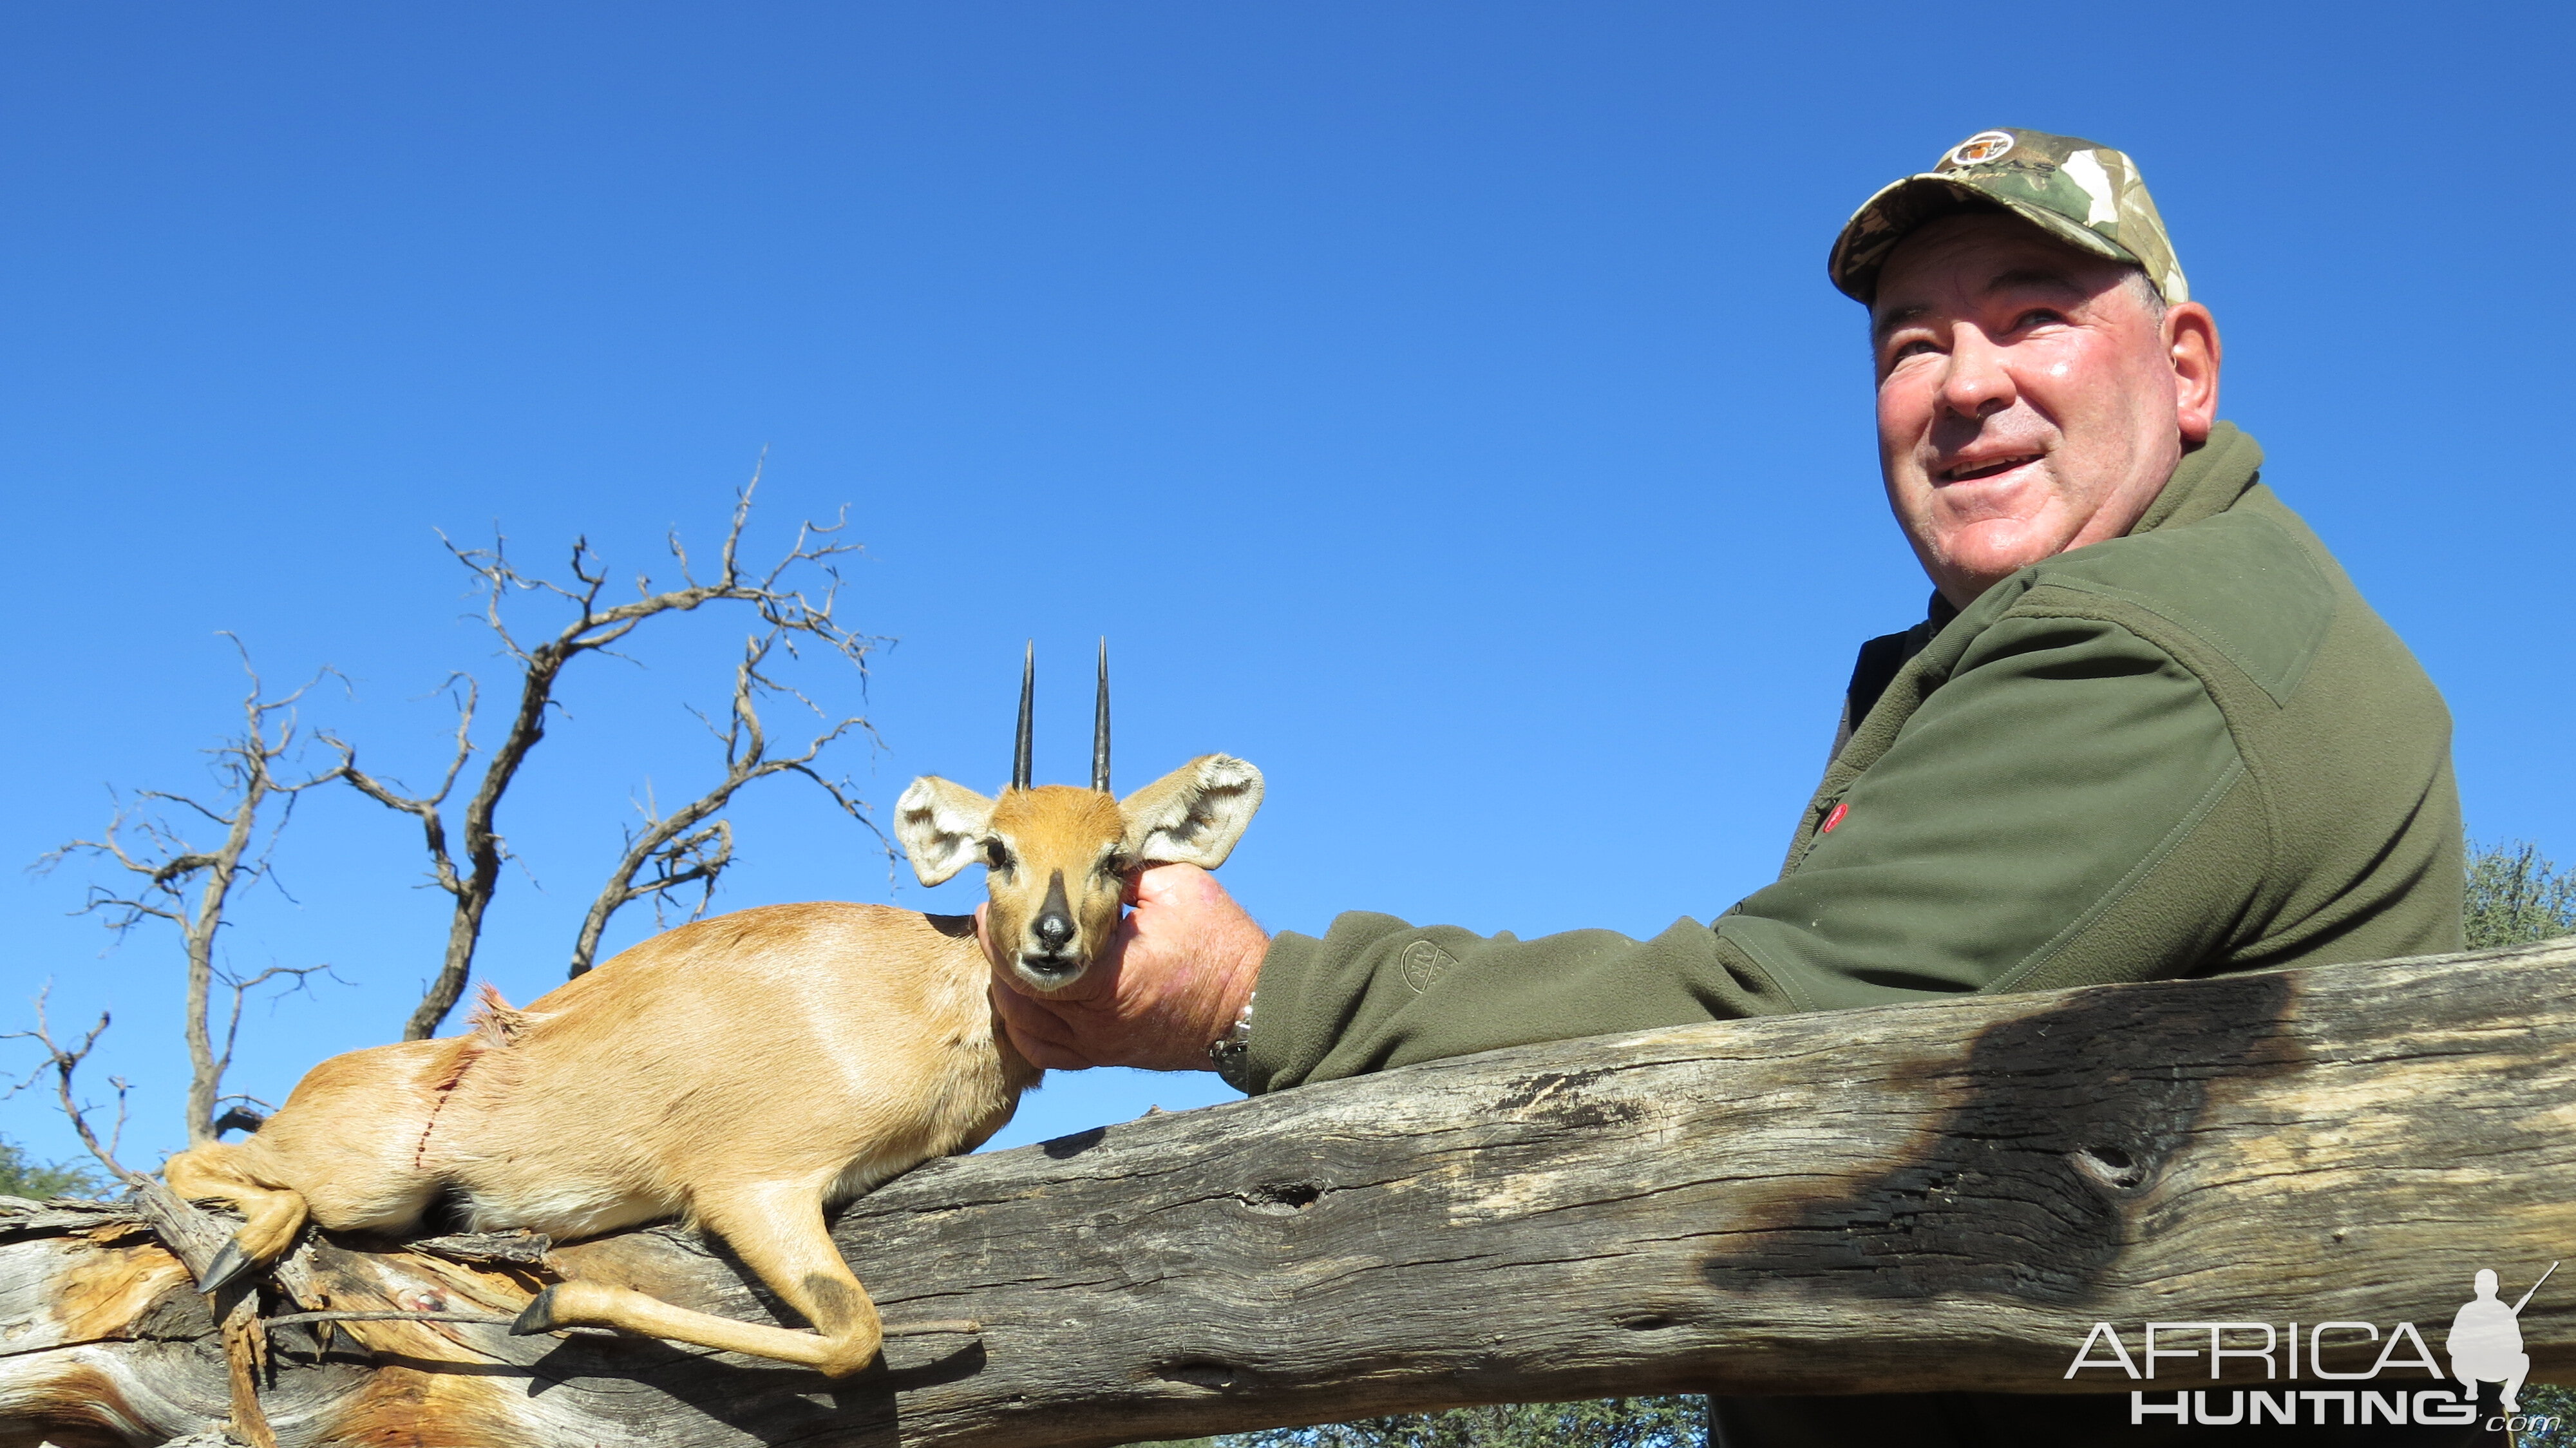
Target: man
2148,728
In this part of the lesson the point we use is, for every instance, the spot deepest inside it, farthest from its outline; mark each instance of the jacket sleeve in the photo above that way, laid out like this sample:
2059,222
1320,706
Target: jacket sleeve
2035,793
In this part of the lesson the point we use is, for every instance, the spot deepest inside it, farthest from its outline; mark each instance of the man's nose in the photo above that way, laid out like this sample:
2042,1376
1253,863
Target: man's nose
1976,383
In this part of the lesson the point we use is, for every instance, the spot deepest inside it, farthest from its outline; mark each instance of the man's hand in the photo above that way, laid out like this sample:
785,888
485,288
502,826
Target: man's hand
1173,979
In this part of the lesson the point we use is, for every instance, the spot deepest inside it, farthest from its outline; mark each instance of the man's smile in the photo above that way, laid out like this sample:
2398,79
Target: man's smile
1970,470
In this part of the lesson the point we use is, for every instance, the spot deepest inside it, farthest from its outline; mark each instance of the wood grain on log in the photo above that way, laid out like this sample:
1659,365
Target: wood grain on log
1933,1196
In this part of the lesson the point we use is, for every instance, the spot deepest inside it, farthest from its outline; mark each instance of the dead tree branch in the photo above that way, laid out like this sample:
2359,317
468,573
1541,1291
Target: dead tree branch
690,846
161,867
64,1062
791,610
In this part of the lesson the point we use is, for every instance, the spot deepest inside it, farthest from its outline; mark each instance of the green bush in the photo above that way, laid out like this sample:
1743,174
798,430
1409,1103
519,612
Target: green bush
21,1177
2516,896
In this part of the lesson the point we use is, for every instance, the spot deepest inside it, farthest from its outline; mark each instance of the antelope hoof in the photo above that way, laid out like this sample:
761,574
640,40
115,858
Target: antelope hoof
538,1316
231,1265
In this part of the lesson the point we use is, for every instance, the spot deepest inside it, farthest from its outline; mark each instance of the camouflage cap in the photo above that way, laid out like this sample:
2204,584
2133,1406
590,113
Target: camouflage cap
2088,196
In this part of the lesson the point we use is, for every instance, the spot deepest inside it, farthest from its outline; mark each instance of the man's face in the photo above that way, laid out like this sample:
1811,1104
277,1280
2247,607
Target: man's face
2030,400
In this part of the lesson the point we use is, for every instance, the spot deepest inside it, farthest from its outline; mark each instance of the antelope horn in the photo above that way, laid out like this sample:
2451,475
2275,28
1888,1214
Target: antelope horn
1020,770
1100,726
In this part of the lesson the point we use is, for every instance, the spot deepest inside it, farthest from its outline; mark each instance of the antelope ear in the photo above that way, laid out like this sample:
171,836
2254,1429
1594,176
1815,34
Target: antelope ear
1193,815
942,825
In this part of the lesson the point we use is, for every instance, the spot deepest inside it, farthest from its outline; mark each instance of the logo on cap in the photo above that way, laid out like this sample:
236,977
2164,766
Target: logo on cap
1982,147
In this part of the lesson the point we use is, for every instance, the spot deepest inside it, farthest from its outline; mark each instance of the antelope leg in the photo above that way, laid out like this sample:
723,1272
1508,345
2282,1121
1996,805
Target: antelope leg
779,1234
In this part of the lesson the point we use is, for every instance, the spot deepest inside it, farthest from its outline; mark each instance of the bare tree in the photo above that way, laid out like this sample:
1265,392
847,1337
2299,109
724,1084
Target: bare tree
692,845
161,867
166,878
689,853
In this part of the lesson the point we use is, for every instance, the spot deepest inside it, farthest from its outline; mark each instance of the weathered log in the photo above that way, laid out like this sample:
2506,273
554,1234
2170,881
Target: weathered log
1943,1195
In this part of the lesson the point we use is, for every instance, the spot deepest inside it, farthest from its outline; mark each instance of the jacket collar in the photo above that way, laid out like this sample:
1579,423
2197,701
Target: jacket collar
2207,482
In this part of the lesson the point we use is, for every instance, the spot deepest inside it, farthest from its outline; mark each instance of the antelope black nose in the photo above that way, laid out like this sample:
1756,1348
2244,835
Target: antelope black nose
1054,925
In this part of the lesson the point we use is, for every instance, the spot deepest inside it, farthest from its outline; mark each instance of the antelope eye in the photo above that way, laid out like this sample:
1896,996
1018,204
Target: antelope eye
1116,864
997,854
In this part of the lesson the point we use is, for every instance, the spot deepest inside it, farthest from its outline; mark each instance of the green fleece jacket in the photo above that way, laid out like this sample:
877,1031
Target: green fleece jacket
2190,750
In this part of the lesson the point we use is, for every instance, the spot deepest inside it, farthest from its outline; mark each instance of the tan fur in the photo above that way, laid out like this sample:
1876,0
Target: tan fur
741,1073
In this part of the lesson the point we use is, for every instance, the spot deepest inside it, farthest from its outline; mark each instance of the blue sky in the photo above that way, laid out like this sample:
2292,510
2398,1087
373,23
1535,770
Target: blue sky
1441,405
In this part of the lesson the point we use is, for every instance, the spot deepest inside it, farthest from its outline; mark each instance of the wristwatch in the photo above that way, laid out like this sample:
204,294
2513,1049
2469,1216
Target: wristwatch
1232,1051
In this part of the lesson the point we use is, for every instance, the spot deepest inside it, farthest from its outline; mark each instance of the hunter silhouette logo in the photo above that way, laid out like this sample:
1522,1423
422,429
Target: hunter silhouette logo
2486,1339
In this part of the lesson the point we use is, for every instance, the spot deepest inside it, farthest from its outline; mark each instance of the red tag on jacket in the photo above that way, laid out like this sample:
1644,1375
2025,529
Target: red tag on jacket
1831,820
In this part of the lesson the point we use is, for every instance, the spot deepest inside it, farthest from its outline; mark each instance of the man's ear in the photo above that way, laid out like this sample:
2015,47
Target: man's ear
2191,337
1193,815
941,824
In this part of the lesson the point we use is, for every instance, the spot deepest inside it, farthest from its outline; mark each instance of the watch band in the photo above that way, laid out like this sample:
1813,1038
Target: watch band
1231,1053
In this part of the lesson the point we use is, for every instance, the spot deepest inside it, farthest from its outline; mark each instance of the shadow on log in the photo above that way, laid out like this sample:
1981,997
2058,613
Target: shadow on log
1944,1195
